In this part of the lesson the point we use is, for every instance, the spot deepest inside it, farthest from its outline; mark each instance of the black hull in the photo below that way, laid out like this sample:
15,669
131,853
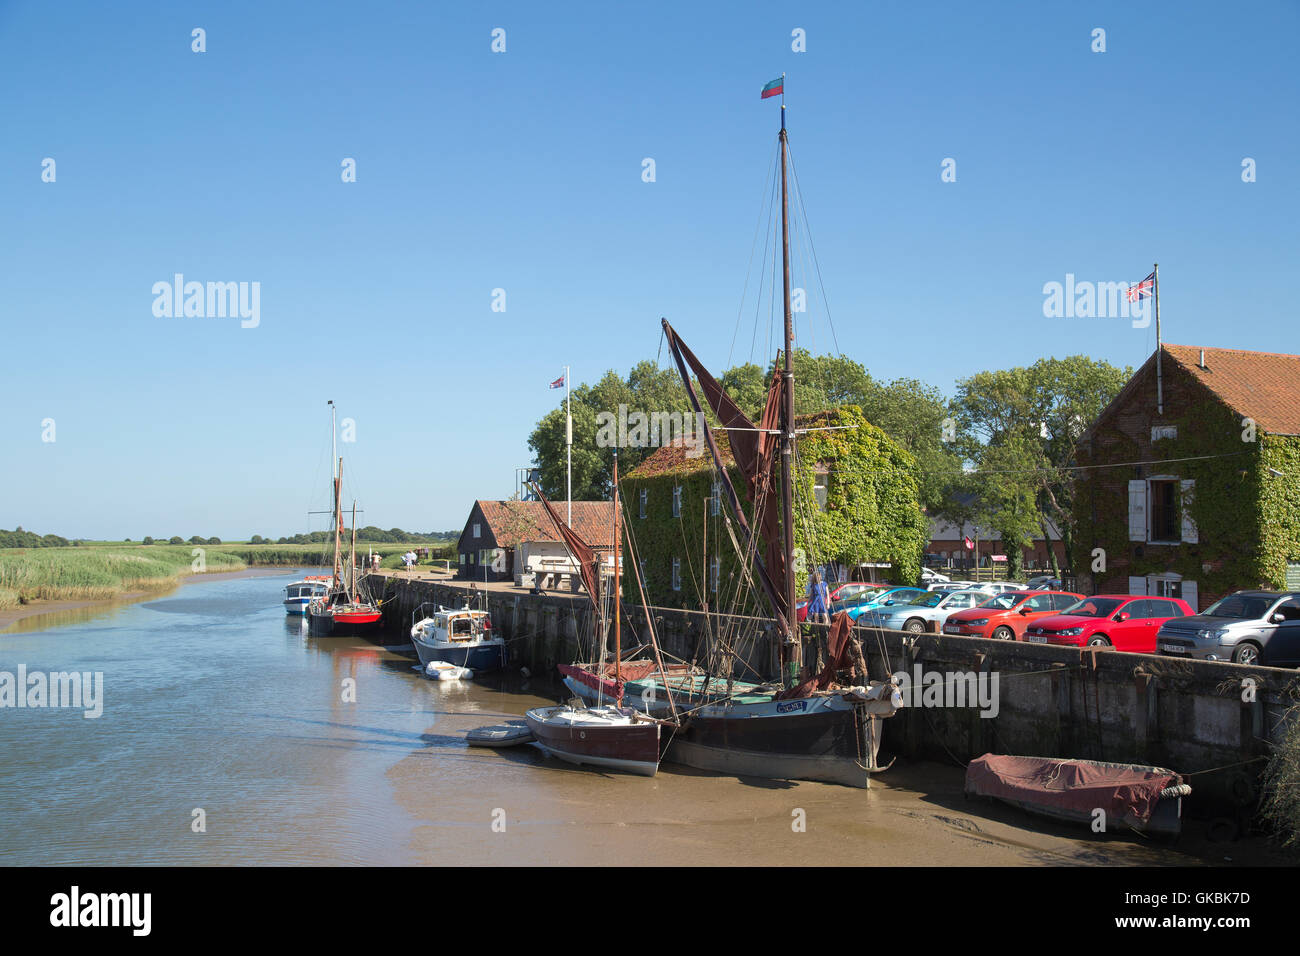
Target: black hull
834,746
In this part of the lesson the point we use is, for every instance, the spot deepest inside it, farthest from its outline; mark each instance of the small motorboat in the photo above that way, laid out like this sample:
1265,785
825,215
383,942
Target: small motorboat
463,637
441,670
1145,798
501,735
617,738
300,593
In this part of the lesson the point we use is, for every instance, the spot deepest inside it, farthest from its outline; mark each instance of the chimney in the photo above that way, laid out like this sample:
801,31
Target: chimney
1202,358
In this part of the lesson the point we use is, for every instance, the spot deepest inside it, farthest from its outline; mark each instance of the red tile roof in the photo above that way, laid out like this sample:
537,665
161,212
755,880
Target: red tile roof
515,521
1264,386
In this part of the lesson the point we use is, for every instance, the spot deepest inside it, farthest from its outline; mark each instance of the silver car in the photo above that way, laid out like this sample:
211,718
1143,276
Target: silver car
1235,628
931,606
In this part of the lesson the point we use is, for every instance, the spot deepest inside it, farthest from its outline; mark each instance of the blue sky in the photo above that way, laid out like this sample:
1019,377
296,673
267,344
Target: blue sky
522,171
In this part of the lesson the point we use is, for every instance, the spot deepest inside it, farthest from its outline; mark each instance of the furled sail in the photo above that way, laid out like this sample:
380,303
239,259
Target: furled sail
754,448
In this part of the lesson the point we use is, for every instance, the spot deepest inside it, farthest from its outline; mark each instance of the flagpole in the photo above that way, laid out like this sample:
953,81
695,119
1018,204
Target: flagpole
568,447
1160,380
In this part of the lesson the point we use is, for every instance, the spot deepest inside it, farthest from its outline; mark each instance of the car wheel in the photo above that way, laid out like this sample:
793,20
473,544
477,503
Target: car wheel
1003,634
915,626
1246,652
1099,641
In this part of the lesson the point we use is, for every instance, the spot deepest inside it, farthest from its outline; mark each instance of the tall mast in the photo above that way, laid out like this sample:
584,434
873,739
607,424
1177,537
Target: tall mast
336,468
338,524
618,590
794,650
352,560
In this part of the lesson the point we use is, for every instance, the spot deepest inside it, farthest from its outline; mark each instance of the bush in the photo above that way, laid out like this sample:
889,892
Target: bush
146,540
1281,805
175,539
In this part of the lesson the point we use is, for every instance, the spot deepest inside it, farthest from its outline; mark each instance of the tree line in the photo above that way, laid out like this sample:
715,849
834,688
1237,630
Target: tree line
997,453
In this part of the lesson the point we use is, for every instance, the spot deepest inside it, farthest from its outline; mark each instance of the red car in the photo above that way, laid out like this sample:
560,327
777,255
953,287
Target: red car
840,592
1121,621
1006,616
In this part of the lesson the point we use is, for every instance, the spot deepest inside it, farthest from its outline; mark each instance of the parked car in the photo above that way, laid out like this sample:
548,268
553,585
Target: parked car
916,615
1283,648
869,602
1004,617
995,587
841,592
945,587
1121,621
1236,628
1043,582
930,576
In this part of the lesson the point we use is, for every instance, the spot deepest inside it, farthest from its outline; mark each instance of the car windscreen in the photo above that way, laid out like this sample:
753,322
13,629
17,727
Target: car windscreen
1093,607
928,599
1243,606
1003,602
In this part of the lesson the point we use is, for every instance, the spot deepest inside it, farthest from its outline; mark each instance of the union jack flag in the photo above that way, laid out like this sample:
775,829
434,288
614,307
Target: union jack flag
558,383
1143,290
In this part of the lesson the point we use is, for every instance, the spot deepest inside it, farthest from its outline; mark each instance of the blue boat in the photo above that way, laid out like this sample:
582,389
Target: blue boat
463,637
300,593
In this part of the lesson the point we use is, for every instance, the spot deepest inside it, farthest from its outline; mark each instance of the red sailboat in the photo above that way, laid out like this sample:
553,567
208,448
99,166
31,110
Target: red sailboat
606,735
346,608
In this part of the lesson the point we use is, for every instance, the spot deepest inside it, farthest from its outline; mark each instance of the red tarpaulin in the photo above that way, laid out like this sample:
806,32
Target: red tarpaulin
1078,787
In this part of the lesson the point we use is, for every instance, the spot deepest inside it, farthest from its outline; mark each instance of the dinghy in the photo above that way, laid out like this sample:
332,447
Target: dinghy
1145,798
502,735
441,670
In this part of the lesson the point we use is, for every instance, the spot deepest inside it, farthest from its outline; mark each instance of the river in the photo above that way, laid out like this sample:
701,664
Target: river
229,736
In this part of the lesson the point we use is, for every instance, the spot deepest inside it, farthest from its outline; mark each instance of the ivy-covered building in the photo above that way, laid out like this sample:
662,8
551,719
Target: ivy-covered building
856,503
1191,479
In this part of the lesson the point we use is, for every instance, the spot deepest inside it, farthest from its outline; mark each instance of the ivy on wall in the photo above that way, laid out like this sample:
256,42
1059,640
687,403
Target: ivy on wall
873,512
1247,520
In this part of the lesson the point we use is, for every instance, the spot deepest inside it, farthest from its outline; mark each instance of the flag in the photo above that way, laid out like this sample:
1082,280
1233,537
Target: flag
1143,290
558,383
775,88
970,545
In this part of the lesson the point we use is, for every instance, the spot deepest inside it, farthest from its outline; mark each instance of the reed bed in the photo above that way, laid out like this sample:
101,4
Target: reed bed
98,574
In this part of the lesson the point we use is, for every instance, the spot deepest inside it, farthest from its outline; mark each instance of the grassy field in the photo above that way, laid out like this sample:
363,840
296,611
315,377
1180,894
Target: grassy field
102,571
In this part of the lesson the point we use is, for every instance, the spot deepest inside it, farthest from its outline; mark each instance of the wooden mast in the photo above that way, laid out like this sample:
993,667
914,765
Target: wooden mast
618,590
793,648
352,560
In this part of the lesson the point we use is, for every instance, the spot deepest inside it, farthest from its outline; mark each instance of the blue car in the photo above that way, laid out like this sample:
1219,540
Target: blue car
878,599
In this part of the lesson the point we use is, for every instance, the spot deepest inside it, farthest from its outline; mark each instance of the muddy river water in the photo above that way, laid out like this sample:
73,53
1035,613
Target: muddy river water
227,735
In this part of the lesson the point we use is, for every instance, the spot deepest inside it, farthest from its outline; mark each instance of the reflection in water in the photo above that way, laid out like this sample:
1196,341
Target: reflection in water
335,750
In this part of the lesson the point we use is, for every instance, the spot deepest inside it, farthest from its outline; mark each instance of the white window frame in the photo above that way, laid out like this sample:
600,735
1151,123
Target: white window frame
478,530
644,495
677,501
677,574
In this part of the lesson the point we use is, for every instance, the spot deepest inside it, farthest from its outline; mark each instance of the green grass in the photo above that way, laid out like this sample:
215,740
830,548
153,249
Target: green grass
66,574
104,571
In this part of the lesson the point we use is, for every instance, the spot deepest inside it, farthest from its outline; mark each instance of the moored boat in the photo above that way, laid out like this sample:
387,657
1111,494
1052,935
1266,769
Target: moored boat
1146,798
344,609
616,738
300,593
463,637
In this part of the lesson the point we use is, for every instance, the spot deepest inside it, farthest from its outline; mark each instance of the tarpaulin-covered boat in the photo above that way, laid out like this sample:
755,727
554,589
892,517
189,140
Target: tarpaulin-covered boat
1145,798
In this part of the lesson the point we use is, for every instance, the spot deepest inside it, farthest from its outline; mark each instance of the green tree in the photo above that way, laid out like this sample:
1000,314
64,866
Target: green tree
1021,427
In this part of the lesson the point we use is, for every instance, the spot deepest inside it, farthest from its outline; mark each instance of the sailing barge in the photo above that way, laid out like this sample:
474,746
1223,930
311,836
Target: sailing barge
806,727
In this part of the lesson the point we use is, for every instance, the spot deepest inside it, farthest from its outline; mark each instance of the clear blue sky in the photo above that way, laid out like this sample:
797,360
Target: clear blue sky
522,171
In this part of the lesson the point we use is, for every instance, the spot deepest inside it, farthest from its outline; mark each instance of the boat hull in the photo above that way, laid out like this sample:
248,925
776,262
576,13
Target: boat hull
825,739
481,657
348,624
630,748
